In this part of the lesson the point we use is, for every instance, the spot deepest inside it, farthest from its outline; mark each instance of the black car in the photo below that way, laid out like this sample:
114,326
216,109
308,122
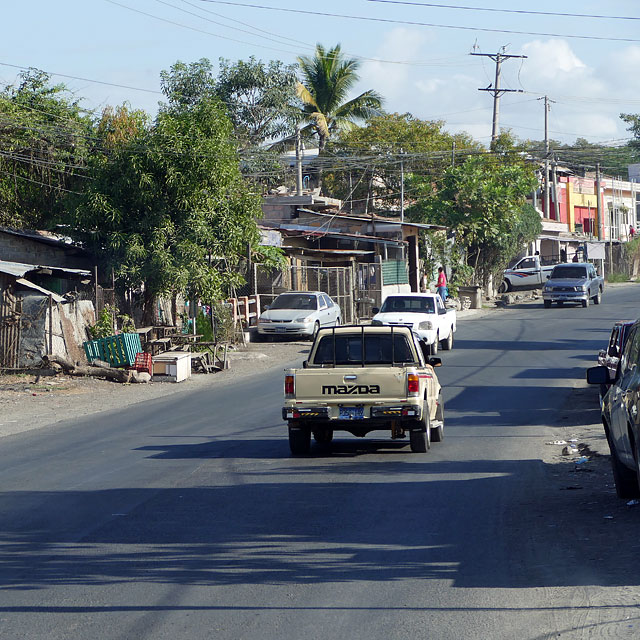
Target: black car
610,357
621,414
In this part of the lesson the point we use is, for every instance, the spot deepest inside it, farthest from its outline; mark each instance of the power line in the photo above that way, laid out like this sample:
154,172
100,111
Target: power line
516,11
418,24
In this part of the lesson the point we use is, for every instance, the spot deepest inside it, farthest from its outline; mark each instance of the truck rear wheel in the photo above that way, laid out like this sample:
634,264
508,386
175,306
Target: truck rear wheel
447,344
323,436
547,304
299,440
420,441
437,432
598,297
433,348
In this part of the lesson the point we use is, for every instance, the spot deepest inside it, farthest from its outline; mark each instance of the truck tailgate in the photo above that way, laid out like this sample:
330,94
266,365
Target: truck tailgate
335,386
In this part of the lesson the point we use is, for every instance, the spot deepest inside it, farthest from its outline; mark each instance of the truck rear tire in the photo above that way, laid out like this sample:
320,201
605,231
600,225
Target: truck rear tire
547,304
447,344
299,440
437,433
420,441
433,348
323,436
505,287
598,297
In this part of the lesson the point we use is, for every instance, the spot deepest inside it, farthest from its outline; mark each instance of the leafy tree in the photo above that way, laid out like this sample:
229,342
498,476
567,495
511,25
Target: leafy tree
583,155
634,126
259,98
167,206
328,77
482,202
185,85
44,140
372,155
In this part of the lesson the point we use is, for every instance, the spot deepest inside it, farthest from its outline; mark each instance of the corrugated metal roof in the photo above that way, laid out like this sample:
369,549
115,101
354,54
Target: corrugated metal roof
19,269
25,283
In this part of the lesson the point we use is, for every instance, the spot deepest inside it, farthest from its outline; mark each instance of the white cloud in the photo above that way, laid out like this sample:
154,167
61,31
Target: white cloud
552,59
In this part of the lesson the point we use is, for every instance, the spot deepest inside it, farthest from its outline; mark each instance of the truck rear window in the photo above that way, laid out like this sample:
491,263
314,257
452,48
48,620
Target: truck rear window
378,349
568,272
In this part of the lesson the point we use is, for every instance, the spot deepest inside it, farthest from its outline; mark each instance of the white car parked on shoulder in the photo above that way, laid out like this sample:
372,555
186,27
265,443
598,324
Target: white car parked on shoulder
299,314
424,312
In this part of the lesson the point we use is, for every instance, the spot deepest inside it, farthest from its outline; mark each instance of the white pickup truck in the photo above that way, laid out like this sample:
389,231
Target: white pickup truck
425,313
527,273
360,379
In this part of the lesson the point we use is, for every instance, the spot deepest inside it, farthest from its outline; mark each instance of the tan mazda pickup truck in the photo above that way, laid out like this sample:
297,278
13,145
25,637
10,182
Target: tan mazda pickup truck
360,379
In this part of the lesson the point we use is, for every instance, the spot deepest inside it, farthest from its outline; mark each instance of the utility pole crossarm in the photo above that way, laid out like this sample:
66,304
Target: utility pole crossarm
495,90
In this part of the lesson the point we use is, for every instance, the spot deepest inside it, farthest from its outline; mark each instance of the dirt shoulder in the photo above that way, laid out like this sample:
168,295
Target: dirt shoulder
25,405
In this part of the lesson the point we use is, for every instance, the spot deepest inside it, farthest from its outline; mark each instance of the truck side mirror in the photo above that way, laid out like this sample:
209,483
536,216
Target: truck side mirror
305,364
375,310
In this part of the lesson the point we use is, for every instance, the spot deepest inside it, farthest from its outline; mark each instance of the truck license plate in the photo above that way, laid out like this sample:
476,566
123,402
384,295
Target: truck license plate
351,413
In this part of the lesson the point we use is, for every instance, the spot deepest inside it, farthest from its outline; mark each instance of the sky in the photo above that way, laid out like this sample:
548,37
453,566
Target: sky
415,53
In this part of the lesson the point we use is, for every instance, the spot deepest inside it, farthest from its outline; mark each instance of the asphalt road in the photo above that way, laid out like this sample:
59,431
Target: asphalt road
185,517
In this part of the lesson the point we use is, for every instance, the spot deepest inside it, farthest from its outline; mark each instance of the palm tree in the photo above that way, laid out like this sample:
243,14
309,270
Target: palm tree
327,78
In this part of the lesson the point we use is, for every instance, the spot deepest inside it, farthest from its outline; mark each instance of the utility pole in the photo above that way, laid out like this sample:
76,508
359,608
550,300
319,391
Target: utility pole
547,108
401,185
598,202
495,89
298,161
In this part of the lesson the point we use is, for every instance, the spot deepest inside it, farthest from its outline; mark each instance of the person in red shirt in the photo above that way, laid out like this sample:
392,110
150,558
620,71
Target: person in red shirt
441,284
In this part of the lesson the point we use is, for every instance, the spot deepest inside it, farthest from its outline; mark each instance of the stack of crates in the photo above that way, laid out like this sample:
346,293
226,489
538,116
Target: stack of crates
144,362
118,351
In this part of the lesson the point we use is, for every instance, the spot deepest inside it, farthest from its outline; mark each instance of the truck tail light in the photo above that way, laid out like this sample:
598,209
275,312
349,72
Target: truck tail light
413,384
289,386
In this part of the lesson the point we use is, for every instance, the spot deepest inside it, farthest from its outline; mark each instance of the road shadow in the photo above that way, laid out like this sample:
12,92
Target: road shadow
475,523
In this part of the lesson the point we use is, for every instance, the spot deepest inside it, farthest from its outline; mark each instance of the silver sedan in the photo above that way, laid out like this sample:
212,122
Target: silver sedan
299,314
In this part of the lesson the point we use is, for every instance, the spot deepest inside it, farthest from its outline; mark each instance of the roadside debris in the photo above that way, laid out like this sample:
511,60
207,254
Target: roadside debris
98,370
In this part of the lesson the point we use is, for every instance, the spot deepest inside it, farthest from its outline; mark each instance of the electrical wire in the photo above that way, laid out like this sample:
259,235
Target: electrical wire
416,23
516,11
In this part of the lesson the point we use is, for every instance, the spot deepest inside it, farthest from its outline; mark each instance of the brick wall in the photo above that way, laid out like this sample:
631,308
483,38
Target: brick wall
18,249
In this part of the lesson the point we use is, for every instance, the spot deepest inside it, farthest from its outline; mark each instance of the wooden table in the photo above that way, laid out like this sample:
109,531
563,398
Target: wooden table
159,345
163,331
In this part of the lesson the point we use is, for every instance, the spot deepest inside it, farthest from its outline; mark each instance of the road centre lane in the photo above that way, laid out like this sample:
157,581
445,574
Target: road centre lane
188,518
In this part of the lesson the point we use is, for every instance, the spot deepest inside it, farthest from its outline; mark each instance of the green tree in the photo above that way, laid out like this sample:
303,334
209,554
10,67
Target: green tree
259,98
167,207
372,157
327,79
44,144
583,155
633,120
482,202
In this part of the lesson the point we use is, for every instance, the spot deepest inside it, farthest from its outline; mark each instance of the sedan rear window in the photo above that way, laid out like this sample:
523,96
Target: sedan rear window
569,273
378,349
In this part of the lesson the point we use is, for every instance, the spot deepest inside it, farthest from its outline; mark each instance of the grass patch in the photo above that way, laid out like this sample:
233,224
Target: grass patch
617,277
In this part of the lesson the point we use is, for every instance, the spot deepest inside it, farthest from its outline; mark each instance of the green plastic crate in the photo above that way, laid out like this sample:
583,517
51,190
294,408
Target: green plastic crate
118,351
